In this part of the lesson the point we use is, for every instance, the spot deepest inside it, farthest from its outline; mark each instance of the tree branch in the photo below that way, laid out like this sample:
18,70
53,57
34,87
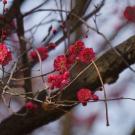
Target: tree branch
23,48
110,66
11,13
79,10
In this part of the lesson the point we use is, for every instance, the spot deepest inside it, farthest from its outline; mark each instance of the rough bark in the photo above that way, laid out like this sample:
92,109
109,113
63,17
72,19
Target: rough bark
110,66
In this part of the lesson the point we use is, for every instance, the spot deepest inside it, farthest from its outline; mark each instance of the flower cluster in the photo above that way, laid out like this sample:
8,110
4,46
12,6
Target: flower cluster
5,55
84,95
87,55
78,51
129,13
76,48
62,63
59,80
43,52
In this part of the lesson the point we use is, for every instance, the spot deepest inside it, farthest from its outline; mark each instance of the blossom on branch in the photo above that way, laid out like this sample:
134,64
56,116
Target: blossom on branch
58,81
43,52
84,95
60,63
86,55
31,106
5,54
76,48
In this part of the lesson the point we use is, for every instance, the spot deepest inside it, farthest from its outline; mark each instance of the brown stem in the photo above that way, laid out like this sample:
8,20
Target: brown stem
23,48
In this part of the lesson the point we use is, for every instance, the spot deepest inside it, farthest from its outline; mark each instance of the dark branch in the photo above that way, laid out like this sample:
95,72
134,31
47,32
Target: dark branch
78,23
23,48
110,66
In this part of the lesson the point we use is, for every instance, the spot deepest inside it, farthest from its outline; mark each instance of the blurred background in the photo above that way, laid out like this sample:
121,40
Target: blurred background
88,120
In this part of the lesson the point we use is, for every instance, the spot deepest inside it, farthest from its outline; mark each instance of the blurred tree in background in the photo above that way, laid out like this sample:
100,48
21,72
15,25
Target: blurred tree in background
55,54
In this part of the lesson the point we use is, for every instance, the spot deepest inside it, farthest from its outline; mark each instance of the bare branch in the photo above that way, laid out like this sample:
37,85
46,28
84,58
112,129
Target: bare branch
23,48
